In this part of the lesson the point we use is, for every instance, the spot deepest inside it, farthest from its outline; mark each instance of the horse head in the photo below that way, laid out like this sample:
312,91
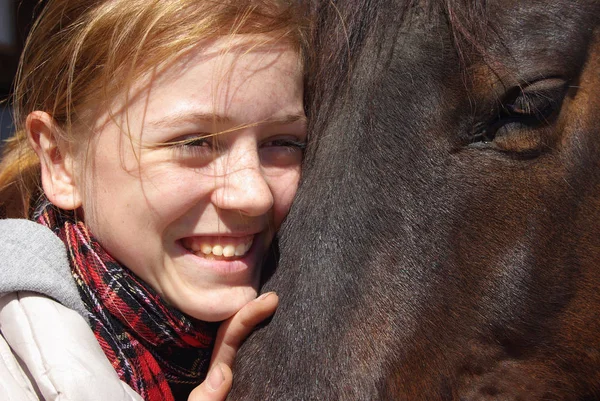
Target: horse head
445,240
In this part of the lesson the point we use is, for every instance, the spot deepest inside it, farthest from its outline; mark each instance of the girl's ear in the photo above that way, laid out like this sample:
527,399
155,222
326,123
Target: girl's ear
58,178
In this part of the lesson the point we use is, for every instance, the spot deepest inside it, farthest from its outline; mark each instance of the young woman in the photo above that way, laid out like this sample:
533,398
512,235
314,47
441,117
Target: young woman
160,141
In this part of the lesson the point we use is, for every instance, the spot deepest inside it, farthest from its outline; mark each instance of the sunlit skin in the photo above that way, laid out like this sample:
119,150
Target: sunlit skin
147,196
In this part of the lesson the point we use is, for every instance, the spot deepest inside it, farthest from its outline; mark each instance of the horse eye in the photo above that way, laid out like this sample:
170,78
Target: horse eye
538,101
522,112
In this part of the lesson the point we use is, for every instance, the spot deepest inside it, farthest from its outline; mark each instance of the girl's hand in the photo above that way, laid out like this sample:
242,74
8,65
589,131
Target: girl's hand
230,337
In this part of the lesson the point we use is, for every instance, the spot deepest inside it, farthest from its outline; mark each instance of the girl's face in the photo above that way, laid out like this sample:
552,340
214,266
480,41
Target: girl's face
195,219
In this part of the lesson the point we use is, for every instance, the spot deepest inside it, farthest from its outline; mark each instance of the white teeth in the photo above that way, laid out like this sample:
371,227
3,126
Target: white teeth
227,251
217,250
240,249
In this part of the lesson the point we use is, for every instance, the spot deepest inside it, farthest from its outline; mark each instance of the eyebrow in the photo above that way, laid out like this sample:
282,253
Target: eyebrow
200,117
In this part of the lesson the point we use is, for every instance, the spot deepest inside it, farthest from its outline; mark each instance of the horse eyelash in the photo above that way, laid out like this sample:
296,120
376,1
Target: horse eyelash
510,112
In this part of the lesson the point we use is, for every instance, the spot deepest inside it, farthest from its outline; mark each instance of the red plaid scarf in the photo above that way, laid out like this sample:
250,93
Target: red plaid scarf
160,352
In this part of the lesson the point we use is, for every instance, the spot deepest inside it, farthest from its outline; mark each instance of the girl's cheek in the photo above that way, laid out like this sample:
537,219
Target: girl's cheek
285,196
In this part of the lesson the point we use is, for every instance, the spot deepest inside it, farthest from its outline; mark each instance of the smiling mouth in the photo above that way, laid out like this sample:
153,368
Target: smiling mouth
225,248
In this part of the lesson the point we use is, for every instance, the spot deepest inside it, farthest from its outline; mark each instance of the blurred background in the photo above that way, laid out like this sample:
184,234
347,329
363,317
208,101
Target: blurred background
16,17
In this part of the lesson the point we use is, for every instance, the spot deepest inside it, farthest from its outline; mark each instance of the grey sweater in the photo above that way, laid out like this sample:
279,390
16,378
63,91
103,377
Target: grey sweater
33,258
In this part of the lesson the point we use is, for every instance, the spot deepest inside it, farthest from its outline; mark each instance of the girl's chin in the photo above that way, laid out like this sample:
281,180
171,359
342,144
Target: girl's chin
204,307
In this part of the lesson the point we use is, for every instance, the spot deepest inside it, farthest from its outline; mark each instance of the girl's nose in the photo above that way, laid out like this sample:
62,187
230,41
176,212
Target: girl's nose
243,188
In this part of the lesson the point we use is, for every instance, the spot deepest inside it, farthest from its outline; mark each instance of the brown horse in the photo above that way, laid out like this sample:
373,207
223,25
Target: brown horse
445,241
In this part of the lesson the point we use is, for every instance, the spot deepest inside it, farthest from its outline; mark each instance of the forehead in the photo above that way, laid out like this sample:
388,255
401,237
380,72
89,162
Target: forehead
235,57
219,75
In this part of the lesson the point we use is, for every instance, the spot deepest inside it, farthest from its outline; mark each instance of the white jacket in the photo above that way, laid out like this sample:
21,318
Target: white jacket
47,350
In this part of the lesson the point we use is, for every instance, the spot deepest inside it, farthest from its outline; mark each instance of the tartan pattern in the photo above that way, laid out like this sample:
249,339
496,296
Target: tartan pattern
160,352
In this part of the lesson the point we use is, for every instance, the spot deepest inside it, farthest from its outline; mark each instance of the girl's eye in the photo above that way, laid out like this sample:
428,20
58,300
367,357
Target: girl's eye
292,144
195,142
282,152
197,147
198,140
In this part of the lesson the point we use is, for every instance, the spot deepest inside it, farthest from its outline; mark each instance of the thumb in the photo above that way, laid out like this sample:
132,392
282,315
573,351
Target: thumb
216,386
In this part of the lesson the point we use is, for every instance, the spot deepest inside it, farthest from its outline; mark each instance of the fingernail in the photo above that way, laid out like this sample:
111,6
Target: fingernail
215,377
265,296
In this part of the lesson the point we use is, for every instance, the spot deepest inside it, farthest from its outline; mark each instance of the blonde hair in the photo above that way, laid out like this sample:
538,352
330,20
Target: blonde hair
85,49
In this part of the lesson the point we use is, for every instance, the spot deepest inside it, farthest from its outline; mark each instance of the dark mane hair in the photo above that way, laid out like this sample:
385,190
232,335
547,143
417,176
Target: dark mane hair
340,35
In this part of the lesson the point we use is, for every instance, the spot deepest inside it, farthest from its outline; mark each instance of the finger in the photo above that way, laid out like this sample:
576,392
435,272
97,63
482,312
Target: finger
234,330
215,387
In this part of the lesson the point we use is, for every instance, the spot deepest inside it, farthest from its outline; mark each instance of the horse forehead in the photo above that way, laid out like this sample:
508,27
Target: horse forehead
518,40
541,31
528,25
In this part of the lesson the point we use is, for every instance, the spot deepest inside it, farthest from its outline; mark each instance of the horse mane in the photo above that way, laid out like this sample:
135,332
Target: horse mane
340,35
338,38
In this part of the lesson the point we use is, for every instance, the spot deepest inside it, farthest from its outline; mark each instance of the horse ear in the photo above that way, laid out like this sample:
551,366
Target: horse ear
57,167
